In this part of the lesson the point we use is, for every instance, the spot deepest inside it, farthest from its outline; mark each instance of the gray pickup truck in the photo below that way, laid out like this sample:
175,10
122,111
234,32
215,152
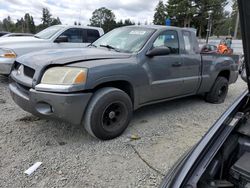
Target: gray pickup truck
125,69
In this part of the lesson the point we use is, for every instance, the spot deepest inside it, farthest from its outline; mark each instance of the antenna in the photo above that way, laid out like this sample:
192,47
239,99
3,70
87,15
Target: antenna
79,17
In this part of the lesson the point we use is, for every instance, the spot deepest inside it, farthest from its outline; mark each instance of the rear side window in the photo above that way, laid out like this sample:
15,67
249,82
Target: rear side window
169,39
75,35
92,35
188,42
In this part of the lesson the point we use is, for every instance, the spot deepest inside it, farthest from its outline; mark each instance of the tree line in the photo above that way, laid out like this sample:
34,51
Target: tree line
195,13
26,24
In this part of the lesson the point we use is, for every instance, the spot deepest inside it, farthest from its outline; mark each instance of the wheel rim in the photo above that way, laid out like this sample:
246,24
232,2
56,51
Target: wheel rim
113,116
222,91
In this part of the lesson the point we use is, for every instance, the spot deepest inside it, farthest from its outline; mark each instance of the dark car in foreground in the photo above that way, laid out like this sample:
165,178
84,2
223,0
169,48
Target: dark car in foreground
126,69
222,156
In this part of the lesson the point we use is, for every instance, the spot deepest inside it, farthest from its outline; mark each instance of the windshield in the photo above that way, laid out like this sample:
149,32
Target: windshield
49,32
125,39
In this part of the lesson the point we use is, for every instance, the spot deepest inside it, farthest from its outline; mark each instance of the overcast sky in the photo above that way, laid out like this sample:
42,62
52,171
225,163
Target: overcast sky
79,10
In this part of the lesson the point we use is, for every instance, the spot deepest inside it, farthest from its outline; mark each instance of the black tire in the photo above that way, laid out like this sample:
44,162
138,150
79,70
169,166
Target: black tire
108,114
218,92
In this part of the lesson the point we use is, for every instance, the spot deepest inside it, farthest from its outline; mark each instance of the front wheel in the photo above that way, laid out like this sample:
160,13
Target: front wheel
108,113
218,92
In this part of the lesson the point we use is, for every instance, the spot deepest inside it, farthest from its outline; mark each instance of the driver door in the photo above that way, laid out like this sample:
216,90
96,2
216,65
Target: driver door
166,71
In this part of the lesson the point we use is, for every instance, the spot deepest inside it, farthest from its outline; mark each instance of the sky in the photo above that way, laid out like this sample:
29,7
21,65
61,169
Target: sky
79,10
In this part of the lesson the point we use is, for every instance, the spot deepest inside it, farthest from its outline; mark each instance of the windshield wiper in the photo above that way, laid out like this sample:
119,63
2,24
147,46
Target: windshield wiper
110,47
36,37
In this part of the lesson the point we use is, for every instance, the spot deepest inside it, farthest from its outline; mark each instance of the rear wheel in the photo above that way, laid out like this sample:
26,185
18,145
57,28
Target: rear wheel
218,92
108,113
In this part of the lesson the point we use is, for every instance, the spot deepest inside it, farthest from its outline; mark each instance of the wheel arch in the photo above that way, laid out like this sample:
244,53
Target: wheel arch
123,85
225,74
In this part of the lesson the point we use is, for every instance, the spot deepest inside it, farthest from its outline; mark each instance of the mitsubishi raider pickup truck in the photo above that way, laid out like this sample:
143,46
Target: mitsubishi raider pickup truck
129,67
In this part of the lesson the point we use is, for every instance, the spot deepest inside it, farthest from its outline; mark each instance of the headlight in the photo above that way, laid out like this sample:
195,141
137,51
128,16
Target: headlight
7,53
64,76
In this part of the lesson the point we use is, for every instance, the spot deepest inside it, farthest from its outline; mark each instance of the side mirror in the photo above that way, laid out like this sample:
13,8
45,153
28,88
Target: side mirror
158,51
62,38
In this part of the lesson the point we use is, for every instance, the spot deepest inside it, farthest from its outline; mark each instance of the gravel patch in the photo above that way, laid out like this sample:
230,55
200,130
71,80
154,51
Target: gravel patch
157,136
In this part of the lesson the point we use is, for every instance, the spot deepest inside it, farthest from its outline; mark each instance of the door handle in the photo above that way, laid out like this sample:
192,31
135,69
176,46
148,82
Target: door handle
177,64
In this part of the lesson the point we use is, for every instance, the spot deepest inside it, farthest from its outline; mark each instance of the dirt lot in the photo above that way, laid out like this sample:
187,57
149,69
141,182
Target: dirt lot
72,158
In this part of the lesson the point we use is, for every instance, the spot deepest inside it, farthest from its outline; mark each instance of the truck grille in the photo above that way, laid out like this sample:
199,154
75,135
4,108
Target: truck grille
29,72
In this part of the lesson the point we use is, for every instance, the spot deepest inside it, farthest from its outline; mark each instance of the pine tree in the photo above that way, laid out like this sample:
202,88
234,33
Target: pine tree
234,17
46,17
181,12
8,24
160,14
32,25
202,9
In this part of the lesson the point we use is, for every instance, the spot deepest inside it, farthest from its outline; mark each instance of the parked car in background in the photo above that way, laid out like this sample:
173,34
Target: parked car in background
2,33
126,69
54,37
222,157
209,49
17,35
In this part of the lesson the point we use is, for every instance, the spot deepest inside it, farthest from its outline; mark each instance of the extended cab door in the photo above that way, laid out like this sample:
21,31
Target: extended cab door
166,71
90,35
191,67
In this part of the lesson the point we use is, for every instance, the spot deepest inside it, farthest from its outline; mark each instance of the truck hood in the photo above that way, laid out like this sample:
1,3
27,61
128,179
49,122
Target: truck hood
39,60
10,42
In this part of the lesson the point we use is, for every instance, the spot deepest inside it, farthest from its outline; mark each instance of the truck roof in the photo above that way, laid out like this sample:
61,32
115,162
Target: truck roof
80,26
160,27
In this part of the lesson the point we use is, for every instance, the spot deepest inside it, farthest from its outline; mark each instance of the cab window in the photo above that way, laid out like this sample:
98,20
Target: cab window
92,35
168,39
75,35
188,42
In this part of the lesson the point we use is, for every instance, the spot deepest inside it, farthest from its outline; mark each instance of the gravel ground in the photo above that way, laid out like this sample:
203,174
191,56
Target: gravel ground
71,158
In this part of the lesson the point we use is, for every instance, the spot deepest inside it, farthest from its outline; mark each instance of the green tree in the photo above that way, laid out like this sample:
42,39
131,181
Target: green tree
46,18
32,25
119,24
224,26
29,25
160,14
20,24
234,17
1,25
56,21
181,12
202,8
128,22
8,24
104,18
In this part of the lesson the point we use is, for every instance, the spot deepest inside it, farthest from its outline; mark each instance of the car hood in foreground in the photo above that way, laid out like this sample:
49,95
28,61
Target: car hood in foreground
39,60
